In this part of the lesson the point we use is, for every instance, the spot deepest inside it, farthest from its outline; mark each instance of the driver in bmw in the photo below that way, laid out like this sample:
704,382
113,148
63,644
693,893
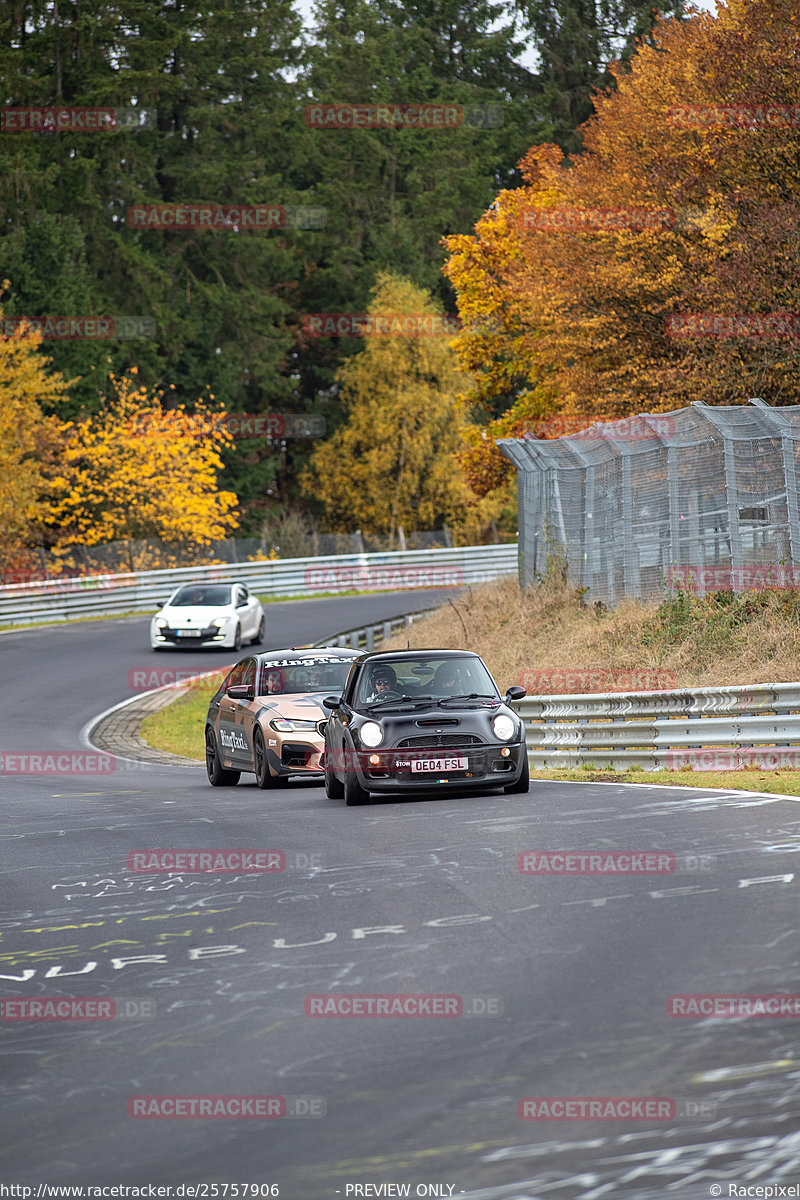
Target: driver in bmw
383,682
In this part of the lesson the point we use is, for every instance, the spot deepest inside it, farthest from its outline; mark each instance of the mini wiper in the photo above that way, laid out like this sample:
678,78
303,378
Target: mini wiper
397,700
470,696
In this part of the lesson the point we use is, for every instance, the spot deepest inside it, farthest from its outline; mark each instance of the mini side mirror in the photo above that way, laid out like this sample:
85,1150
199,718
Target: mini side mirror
515,693
331,702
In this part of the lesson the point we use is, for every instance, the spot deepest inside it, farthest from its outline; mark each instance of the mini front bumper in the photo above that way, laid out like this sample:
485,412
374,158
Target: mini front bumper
489,765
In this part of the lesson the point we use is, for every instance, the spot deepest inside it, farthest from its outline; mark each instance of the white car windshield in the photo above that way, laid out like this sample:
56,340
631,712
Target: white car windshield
201,596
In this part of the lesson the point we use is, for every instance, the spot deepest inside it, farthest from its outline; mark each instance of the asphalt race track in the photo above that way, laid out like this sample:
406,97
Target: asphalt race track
566,977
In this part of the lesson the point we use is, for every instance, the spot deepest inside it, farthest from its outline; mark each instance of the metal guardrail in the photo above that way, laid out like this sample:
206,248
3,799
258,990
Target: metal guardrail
368,636
145,591
709,728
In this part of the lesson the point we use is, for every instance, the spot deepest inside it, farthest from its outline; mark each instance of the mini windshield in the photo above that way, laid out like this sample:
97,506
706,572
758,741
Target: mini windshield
202,596
423,678
326,673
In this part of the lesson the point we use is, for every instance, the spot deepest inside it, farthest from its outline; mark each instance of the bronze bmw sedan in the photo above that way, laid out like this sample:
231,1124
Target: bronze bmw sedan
267,716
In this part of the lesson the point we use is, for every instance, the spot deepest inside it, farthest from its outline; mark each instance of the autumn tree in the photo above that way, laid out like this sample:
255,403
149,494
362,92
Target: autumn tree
392,462
134,471
694,213
28,438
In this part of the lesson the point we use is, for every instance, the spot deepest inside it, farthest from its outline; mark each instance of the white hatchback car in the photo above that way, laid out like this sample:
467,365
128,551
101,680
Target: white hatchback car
209,614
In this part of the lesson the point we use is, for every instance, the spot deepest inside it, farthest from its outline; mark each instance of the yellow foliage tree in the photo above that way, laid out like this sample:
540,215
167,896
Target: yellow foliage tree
392,463
135,471
27,437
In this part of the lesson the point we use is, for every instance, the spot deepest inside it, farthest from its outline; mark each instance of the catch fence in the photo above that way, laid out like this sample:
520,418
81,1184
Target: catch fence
705,498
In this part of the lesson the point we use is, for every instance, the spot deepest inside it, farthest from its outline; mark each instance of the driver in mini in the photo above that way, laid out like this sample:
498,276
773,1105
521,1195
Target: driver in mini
383,682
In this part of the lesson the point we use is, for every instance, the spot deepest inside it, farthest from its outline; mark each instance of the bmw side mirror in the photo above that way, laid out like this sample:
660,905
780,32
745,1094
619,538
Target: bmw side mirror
239,691
515,693
331,702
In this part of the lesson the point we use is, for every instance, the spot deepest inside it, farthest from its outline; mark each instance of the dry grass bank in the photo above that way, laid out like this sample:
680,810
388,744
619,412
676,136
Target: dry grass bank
751,637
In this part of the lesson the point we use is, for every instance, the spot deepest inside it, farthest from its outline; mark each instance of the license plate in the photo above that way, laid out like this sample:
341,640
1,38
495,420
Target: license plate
438,764
188,632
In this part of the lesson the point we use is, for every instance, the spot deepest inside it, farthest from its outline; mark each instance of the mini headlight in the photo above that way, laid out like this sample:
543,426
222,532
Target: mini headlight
285,725
371,733
504,727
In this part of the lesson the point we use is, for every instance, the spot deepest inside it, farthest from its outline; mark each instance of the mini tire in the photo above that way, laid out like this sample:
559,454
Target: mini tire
334,788
264,779
218,776
354,793
523,783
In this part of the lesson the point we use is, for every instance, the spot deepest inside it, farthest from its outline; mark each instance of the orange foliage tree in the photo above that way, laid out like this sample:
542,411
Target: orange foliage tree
581,291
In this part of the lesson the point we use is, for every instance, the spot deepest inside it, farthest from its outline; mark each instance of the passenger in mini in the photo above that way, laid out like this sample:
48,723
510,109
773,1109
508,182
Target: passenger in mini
447,680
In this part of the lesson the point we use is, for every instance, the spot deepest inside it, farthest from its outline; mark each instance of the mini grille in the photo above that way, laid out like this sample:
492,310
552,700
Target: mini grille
432,740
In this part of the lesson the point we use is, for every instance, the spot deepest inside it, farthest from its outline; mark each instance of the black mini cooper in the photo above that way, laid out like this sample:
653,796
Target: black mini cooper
414,720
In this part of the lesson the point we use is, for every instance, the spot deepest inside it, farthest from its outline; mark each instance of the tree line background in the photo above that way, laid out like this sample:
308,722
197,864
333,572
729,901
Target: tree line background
558,322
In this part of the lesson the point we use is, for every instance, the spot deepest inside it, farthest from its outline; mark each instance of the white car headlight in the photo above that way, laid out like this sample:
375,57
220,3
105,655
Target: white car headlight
218,622
371,733
161,623
287,725
504,727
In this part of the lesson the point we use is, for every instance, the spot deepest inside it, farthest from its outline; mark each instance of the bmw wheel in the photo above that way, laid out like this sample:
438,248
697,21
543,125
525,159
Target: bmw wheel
264,779
218,776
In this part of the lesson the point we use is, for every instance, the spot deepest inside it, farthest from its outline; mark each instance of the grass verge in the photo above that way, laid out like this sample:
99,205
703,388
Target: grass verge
179,727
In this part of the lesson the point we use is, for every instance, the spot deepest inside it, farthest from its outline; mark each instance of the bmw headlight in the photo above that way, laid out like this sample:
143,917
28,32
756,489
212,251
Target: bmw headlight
504,727
287,725
371,733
